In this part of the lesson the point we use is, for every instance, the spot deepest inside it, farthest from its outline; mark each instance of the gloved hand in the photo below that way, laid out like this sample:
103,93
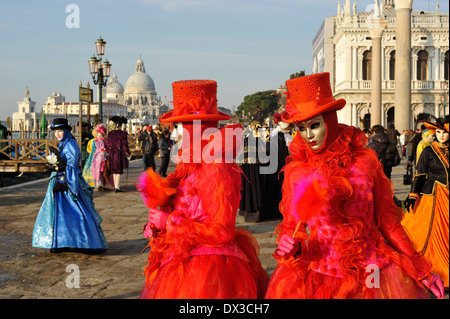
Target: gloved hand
435,285
287,246
148,232
158,218
410,202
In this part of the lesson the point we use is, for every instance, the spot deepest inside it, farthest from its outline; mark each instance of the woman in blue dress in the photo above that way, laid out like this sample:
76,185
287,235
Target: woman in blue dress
67,219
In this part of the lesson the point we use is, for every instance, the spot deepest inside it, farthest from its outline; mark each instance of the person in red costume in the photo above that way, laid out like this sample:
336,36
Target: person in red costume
340,236
196,252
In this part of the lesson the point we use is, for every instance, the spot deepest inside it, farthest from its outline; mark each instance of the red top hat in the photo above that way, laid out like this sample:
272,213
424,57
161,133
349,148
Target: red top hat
194,100
309,96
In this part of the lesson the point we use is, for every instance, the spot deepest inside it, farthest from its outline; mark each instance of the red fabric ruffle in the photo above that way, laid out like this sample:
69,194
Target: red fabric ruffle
334,163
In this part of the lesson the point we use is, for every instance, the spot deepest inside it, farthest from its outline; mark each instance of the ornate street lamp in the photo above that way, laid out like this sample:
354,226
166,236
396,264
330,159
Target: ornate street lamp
100,72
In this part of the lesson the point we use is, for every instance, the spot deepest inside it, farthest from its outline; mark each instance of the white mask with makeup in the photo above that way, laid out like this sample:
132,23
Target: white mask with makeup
442,135
313,131
177,133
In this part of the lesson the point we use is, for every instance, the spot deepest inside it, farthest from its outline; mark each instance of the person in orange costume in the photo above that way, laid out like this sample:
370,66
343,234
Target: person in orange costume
340,236
196,252
427,220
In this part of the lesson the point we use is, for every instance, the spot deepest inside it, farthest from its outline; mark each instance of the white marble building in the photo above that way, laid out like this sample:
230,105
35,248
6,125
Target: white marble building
56,106
25,118
139,95
343,47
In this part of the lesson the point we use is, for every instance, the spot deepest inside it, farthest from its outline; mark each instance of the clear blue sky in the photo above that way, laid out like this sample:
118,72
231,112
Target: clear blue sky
245,45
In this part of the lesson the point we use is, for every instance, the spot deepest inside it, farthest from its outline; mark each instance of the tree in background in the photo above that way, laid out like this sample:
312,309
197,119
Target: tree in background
258,106
297,75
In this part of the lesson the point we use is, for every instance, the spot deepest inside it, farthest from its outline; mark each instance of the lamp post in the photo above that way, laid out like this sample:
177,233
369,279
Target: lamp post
100,72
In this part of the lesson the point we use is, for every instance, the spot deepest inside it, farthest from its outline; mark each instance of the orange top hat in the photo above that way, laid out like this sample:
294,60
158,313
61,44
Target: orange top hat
309,96
440,124
194,100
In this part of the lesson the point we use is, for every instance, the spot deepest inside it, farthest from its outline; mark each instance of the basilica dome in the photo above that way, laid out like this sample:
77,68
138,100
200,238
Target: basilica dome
139,79
114,87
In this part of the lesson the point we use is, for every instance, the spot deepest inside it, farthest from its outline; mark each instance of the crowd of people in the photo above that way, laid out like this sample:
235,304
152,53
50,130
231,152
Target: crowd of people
153,139
107,155
342,233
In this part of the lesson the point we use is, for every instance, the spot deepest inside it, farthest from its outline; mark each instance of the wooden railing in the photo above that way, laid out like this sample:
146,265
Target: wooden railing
25,155
28,155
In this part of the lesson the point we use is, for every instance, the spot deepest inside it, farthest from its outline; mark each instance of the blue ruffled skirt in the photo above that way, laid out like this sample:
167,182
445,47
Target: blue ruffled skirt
68,222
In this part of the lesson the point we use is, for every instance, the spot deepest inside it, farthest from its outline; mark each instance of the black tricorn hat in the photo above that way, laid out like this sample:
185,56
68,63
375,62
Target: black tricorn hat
59,124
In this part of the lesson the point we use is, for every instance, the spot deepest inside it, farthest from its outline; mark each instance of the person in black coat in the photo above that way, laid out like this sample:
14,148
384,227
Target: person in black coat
165,145
415,141
393,134
149,147
386,151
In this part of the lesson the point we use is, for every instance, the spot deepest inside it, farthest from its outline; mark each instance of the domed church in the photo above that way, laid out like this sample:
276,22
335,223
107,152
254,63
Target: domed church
139,95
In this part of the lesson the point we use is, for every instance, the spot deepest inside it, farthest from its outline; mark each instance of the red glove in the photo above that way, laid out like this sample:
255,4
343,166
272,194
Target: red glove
287,246
435,285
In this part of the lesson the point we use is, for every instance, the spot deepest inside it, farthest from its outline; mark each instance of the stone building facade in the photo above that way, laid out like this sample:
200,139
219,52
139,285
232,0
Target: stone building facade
56,106
26,118
343,47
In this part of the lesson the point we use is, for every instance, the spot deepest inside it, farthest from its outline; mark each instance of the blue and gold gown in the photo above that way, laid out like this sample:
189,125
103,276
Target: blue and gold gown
87,172
68,219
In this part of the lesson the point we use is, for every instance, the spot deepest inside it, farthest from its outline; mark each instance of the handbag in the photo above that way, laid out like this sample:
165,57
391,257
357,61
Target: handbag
407,178
60,183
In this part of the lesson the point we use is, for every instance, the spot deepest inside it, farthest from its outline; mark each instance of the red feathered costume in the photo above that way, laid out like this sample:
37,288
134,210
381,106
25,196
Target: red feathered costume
338,204
200,254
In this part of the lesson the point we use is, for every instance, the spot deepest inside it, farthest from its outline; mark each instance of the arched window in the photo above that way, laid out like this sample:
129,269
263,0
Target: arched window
422,65
446,66
390,116
367,65
392,66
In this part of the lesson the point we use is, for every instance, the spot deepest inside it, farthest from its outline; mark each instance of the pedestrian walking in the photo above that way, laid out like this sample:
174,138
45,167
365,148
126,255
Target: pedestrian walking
118,150
67,219
340,223
196,251
386,151
402,141
393,134
165,145
149,141
427,220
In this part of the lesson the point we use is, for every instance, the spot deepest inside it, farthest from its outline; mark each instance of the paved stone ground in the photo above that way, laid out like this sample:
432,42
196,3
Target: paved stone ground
32,273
